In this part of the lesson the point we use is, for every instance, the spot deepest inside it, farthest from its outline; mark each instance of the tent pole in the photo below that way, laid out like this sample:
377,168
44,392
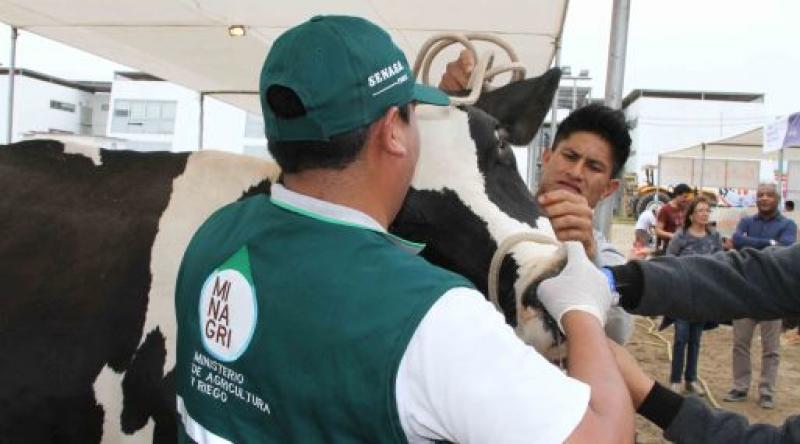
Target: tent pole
658,182
12,65
615,76
533,149
200,122
780,177
617,46
554,105
702,164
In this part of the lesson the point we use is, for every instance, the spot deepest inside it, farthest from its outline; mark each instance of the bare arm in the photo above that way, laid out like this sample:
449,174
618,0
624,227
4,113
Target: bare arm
579,298
691,420
660,232
609,417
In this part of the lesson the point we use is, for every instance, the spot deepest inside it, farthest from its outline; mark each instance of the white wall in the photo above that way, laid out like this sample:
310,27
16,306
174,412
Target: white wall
32,110
224,129
664,124
223,124
100,115
185,135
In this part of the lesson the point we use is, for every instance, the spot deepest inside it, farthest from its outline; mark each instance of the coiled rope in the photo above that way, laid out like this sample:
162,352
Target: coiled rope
650,328
497,260
482,75
522,281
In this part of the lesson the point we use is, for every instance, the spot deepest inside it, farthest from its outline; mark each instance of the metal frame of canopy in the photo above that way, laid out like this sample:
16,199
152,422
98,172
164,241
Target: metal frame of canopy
190,42
748,145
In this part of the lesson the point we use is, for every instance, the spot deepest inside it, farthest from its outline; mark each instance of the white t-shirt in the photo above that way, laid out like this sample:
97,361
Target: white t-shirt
646,221
465,377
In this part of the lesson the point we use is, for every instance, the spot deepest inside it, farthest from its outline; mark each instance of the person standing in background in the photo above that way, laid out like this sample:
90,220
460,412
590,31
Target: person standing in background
764,229
644,242
670,217
695,237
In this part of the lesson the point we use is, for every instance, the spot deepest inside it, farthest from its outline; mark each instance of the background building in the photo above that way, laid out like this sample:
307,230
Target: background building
136,111
47,104
663,121
155,115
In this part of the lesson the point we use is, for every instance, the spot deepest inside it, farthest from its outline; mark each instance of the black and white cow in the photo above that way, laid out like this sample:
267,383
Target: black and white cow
91,241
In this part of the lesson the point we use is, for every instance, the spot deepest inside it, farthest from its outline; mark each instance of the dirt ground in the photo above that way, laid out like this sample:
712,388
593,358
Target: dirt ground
714,366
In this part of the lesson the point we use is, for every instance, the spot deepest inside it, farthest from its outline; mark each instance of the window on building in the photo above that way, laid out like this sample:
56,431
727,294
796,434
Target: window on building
86,120
254,127
62,106
143,117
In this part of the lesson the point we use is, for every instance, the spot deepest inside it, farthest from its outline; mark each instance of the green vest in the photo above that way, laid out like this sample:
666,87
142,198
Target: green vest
291,326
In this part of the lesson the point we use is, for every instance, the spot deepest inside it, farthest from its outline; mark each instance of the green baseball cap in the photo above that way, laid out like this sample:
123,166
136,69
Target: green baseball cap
346,71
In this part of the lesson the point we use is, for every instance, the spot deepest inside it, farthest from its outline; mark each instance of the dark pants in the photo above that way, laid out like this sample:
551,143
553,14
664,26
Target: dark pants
686,334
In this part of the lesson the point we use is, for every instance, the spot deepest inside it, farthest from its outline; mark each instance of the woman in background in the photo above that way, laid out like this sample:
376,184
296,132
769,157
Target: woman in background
695,237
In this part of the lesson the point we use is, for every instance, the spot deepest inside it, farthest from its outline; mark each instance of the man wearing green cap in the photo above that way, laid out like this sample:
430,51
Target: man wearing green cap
300,319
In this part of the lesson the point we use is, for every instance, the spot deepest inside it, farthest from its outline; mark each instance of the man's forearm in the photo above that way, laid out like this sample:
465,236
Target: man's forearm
650,399
663,234
740,241
591,360
689,420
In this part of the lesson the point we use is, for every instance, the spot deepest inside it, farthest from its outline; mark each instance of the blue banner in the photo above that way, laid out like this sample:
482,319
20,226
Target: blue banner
792,131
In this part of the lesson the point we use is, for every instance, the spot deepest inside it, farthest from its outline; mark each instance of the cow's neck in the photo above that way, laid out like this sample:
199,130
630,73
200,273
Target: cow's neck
452,208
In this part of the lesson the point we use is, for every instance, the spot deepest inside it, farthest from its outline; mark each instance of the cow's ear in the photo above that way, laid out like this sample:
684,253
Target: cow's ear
521,107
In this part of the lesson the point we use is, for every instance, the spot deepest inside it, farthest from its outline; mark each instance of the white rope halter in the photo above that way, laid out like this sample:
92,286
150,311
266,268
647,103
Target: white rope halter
483,73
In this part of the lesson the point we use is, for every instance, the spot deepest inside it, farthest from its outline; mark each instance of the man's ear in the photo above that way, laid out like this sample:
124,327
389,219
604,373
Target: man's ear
613,185
546,154
390,131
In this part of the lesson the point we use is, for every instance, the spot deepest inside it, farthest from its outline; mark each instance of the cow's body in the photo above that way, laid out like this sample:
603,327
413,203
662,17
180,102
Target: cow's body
92,241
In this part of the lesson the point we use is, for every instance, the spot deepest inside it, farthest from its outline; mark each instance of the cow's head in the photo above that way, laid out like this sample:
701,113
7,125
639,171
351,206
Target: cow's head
467,197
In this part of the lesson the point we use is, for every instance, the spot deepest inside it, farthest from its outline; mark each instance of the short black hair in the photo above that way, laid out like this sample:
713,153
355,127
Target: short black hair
679,189
297,156
608,123
789,205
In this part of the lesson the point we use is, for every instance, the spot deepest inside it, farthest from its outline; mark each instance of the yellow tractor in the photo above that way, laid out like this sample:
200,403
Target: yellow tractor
644,196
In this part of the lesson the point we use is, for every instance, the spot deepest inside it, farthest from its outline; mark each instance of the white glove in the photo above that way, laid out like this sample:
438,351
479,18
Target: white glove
580,286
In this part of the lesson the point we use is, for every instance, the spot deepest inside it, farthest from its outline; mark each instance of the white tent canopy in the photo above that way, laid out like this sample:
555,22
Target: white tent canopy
731,162
748,145
187,41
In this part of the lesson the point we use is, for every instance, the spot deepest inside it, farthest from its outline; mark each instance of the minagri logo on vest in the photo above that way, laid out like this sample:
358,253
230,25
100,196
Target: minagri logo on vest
385,74
227,314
